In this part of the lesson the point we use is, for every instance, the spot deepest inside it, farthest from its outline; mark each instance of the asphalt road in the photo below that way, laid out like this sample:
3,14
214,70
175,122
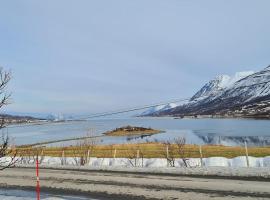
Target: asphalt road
117,185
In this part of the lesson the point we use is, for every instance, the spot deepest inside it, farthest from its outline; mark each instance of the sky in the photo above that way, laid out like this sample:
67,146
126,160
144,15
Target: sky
86,56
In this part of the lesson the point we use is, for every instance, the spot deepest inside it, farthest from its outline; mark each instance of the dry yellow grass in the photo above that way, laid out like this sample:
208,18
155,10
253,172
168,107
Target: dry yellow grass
148,150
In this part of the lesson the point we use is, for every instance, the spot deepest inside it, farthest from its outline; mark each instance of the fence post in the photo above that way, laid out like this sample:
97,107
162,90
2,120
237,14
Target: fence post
167,154
201,156
138,154
247,158
114,153
88,156
63,157
37,175
137,157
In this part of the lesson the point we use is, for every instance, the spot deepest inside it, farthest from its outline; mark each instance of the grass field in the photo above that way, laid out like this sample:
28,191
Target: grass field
146,150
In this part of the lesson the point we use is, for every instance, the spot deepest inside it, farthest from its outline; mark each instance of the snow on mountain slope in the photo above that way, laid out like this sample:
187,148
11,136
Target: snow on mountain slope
238,76
153,110
251,87
169,106
213,87
216,86
159,108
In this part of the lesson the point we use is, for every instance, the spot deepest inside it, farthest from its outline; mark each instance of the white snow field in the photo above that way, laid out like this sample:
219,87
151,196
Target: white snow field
214,166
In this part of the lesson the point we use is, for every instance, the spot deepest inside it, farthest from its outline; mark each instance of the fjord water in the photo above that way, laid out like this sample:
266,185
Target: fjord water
196,131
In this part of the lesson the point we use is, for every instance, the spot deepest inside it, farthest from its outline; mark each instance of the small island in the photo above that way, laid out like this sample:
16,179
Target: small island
132,130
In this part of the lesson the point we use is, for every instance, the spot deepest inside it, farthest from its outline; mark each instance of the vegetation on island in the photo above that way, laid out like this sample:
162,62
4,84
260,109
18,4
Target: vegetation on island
132,130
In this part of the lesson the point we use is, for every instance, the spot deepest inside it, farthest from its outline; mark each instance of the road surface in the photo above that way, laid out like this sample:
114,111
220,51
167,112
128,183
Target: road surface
117,185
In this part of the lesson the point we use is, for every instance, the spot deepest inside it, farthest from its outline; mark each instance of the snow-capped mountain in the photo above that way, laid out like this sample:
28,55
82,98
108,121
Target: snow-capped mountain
159,108
245,94
212,88
252,87
218,85
153,110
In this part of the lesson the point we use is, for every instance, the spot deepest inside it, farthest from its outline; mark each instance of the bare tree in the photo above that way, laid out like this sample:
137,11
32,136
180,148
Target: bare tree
7,154
175,149
30,155
84,149
142,154
181,149
134,153
5,77
169,153
27,156
38,155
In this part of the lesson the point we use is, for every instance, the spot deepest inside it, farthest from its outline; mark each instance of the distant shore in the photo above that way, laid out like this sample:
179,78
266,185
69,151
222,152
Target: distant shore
255,117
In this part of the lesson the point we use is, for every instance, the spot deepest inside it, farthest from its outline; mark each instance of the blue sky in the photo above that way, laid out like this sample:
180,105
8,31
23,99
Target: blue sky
84,56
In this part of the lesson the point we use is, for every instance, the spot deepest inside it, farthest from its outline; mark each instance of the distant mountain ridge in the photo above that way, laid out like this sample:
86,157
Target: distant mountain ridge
247,94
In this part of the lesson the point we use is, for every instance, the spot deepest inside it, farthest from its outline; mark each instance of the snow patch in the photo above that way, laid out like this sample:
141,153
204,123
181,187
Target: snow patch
160,108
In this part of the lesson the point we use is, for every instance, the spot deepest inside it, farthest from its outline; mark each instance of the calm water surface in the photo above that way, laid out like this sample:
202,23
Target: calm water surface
196,131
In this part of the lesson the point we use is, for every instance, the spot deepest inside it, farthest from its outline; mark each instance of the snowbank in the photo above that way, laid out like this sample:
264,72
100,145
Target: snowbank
149,162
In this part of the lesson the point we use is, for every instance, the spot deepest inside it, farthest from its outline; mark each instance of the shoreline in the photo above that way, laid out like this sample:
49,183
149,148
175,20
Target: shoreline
207,117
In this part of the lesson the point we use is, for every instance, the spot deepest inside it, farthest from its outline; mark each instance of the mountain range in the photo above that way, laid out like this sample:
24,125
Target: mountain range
246,94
